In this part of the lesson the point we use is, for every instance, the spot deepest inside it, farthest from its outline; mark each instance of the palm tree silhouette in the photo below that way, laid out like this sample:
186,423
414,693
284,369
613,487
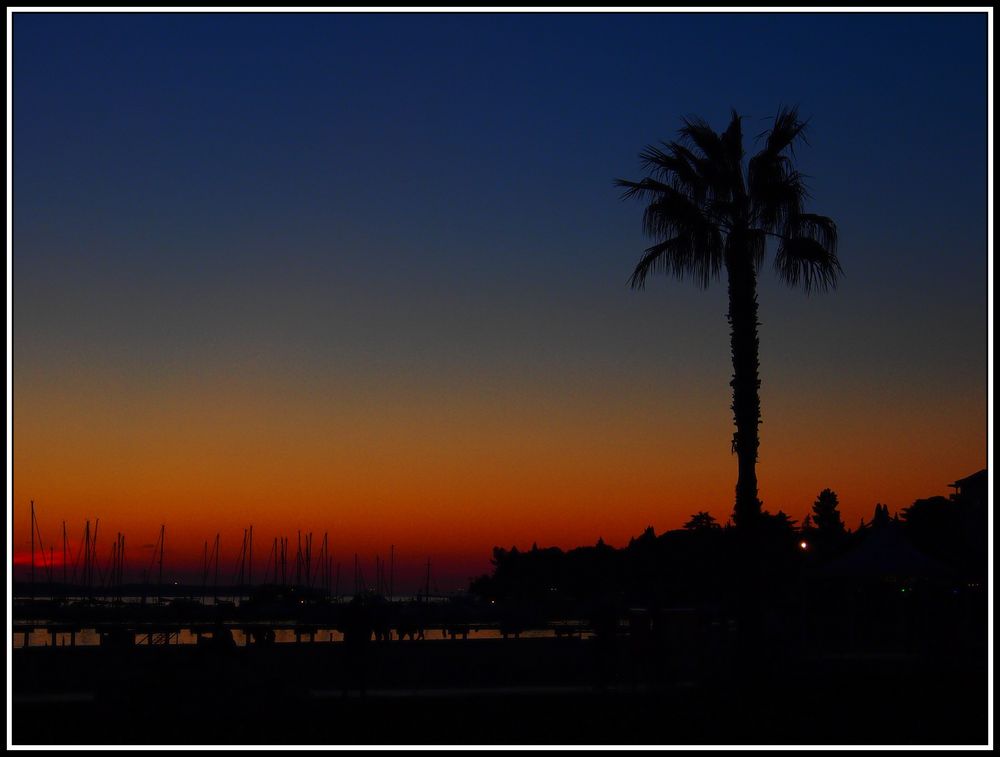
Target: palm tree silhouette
710,210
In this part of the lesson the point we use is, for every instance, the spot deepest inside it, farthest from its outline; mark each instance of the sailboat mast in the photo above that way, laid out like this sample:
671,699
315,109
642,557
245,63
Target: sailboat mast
243,562
64,556
325,570
32,549
427,587
121,570
308,559
298,561
86,555
204,572
216,592
93,555
162,530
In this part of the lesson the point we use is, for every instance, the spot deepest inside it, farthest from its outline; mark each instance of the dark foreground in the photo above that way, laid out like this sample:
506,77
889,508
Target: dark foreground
525,691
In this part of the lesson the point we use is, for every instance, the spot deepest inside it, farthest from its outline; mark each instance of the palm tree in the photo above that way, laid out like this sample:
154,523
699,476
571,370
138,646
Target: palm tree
709,210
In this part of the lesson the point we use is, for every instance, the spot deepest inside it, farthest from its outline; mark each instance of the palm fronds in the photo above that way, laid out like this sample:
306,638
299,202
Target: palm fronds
707,206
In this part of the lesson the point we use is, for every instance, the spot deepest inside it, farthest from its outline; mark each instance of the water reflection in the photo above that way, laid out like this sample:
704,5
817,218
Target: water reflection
89,637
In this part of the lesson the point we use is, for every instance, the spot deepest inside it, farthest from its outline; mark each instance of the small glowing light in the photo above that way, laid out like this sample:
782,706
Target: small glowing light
803,545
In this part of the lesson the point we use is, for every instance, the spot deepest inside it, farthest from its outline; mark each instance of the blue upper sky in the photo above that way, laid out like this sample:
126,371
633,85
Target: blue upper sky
473,154
429,197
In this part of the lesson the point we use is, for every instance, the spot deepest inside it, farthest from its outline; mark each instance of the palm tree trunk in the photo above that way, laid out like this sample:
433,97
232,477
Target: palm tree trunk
744,344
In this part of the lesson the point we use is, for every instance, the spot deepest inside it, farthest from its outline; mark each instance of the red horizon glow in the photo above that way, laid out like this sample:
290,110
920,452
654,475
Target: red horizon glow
456,555
451,476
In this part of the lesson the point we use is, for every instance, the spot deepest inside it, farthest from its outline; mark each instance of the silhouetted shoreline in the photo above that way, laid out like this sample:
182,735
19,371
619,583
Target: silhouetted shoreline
777,634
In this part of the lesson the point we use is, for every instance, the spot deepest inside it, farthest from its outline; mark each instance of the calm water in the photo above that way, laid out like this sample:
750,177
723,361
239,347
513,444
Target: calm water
208,600
88,637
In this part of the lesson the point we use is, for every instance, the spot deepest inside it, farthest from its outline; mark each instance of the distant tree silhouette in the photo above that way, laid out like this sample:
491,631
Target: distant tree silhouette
701,521
708,210
937,526
826,514
779,521
881,516
647,537
705,564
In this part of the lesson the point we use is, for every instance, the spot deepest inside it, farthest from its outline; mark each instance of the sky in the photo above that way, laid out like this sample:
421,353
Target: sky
366,274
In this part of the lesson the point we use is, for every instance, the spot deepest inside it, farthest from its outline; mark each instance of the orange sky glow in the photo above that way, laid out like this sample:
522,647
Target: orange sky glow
450,476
